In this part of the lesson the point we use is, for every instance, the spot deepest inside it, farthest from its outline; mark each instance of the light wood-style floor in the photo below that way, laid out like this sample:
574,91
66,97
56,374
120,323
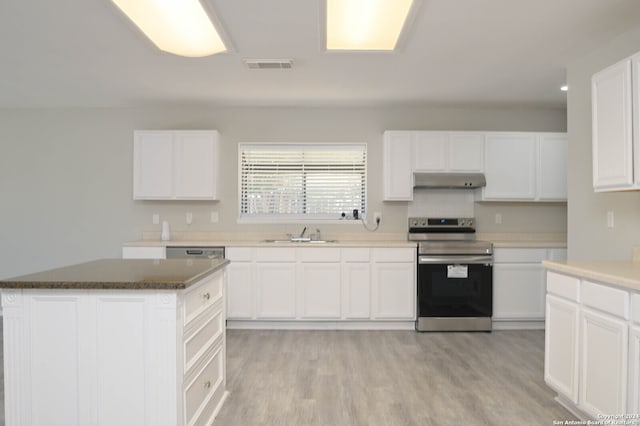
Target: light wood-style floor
387,378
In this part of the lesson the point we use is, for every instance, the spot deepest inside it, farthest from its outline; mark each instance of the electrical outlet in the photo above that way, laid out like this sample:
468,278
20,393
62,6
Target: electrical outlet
214,217
155,219
377,217
189,218
498,218
610,218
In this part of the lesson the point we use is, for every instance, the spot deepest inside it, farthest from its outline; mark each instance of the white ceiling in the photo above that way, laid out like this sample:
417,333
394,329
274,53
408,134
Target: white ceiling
457,52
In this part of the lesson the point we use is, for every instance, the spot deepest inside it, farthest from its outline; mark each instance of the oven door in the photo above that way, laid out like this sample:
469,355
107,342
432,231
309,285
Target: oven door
454,289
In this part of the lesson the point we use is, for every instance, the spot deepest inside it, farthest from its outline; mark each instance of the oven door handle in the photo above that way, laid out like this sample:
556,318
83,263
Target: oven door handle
455,260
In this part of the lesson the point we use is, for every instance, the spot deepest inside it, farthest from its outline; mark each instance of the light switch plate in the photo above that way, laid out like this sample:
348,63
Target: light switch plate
155,219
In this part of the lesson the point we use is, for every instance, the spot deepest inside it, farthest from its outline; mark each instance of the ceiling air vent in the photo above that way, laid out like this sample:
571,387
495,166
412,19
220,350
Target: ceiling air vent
269,64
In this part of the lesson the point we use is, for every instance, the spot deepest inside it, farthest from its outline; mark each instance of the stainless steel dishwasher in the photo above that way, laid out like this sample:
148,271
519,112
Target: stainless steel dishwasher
195,252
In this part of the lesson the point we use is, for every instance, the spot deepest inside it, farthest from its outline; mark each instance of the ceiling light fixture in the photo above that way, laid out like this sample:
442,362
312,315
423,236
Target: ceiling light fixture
181,27
365,24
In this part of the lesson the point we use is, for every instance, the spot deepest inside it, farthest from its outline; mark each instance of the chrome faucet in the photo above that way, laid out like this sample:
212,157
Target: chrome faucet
303,231
318,234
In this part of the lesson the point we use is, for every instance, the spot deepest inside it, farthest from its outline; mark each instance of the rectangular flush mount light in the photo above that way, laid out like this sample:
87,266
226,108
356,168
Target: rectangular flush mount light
181,27
365,24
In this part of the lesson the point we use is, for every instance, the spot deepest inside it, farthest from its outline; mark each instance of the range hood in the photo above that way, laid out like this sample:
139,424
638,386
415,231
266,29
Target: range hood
449,180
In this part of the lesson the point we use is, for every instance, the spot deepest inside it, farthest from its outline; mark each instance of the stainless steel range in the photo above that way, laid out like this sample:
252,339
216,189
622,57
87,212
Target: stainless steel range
455,275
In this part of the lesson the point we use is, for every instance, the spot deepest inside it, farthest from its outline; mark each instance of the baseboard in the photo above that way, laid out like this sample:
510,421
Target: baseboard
518,325
320,325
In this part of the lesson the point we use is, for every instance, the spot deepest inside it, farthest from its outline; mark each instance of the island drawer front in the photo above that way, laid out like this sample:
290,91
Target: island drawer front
203,337
206,386
202,295
563,286
607,299
519,255
635,308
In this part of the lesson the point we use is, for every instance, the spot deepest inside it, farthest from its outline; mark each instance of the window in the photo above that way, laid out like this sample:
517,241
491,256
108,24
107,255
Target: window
293,181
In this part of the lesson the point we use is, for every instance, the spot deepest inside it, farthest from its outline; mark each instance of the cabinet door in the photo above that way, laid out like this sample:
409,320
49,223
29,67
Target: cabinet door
552,166
604,372
397,166
394,291
239,290
612,133
430,151
518,291
634,371
152,165
561,347
321,290
276,290
510,166
196,165
356,300
466,152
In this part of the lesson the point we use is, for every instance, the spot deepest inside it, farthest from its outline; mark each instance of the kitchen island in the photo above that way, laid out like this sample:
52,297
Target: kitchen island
118,342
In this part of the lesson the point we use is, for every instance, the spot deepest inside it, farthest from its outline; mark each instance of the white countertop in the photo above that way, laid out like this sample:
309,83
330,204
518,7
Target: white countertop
618,272
195,239
262,243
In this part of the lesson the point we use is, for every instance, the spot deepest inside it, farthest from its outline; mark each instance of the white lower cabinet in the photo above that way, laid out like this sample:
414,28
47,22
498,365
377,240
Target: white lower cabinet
240,283
633,405
276,290
592,347
519,283
356,288
603,373
321,284
320,290
561,346
393,284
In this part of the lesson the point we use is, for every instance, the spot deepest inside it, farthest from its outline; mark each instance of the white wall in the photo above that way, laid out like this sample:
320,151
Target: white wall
588,236
65,174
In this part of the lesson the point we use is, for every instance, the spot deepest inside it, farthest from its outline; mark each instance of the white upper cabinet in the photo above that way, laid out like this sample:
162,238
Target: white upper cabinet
615,121
525,167
175,165
454,152
553,152
397,167
518,166
510,166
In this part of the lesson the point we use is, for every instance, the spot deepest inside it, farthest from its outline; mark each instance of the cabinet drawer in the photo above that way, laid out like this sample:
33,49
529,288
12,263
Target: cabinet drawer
317,254
607,299
395,255
519,255
204,389
203,337
238,254
563,286
143,253
356,254
275,254
202,295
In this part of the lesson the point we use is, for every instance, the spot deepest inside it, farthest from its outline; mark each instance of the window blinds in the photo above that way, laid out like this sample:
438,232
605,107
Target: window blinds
302,181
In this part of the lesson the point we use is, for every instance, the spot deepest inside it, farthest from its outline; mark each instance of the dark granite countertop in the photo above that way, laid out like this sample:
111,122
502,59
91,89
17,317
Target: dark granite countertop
133,274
